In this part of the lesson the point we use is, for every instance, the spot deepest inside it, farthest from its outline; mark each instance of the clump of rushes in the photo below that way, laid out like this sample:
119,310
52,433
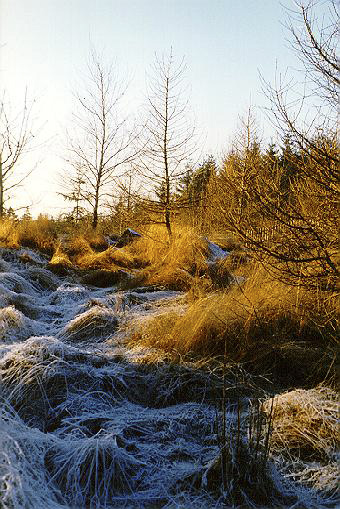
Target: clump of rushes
241,472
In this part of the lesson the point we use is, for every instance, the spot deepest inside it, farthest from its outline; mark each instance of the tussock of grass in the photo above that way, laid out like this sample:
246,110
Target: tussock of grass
271,327
171,263
111,258
43,278
60,262
24,482
9,318
16,283
95,323
60,258
305,424
155,331
36,376
31,258
93,471
77,245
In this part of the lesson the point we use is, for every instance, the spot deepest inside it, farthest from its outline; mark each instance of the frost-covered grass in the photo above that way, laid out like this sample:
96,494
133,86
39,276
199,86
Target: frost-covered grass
93,471
103,424
305,438
24,482
306,424
94,324
9,318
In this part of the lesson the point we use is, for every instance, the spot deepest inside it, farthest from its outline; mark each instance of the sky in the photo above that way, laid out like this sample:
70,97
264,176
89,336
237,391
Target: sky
45,46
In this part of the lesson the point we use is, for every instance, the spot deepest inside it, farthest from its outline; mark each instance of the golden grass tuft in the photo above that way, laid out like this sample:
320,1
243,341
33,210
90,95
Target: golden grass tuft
155,331
111,258
77,246
9,236
171,263
37,233
271,327
60,258
305,424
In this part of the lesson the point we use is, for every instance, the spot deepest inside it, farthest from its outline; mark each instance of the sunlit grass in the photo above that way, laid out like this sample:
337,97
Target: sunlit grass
39,233
262,322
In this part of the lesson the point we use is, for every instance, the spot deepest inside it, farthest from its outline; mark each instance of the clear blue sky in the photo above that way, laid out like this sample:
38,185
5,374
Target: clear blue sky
44,45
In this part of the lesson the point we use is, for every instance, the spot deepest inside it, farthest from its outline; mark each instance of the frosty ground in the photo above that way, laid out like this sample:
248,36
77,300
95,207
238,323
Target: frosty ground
90,420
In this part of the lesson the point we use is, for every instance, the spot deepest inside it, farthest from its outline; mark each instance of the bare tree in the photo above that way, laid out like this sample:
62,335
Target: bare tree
16,138
316,47
168,142
100,145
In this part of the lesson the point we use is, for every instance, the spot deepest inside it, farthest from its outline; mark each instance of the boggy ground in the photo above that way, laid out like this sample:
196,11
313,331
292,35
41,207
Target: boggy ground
110,399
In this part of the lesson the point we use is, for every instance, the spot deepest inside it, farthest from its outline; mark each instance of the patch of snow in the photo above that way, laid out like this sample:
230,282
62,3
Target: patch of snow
216,252
133,232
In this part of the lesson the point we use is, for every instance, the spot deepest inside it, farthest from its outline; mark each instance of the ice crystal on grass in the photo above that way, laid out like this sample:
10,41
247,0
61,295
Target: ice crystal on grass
23,477
95,324
91,471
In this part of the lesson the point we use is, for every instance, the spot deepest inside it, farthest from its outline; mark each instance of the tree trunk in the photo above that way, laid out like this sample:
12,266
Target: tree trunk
167,222
1,188
95,212
166,167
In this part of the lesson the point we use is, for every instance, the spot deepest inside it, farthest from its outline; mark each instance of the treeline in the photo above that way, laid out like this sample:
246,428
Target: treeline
279,199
